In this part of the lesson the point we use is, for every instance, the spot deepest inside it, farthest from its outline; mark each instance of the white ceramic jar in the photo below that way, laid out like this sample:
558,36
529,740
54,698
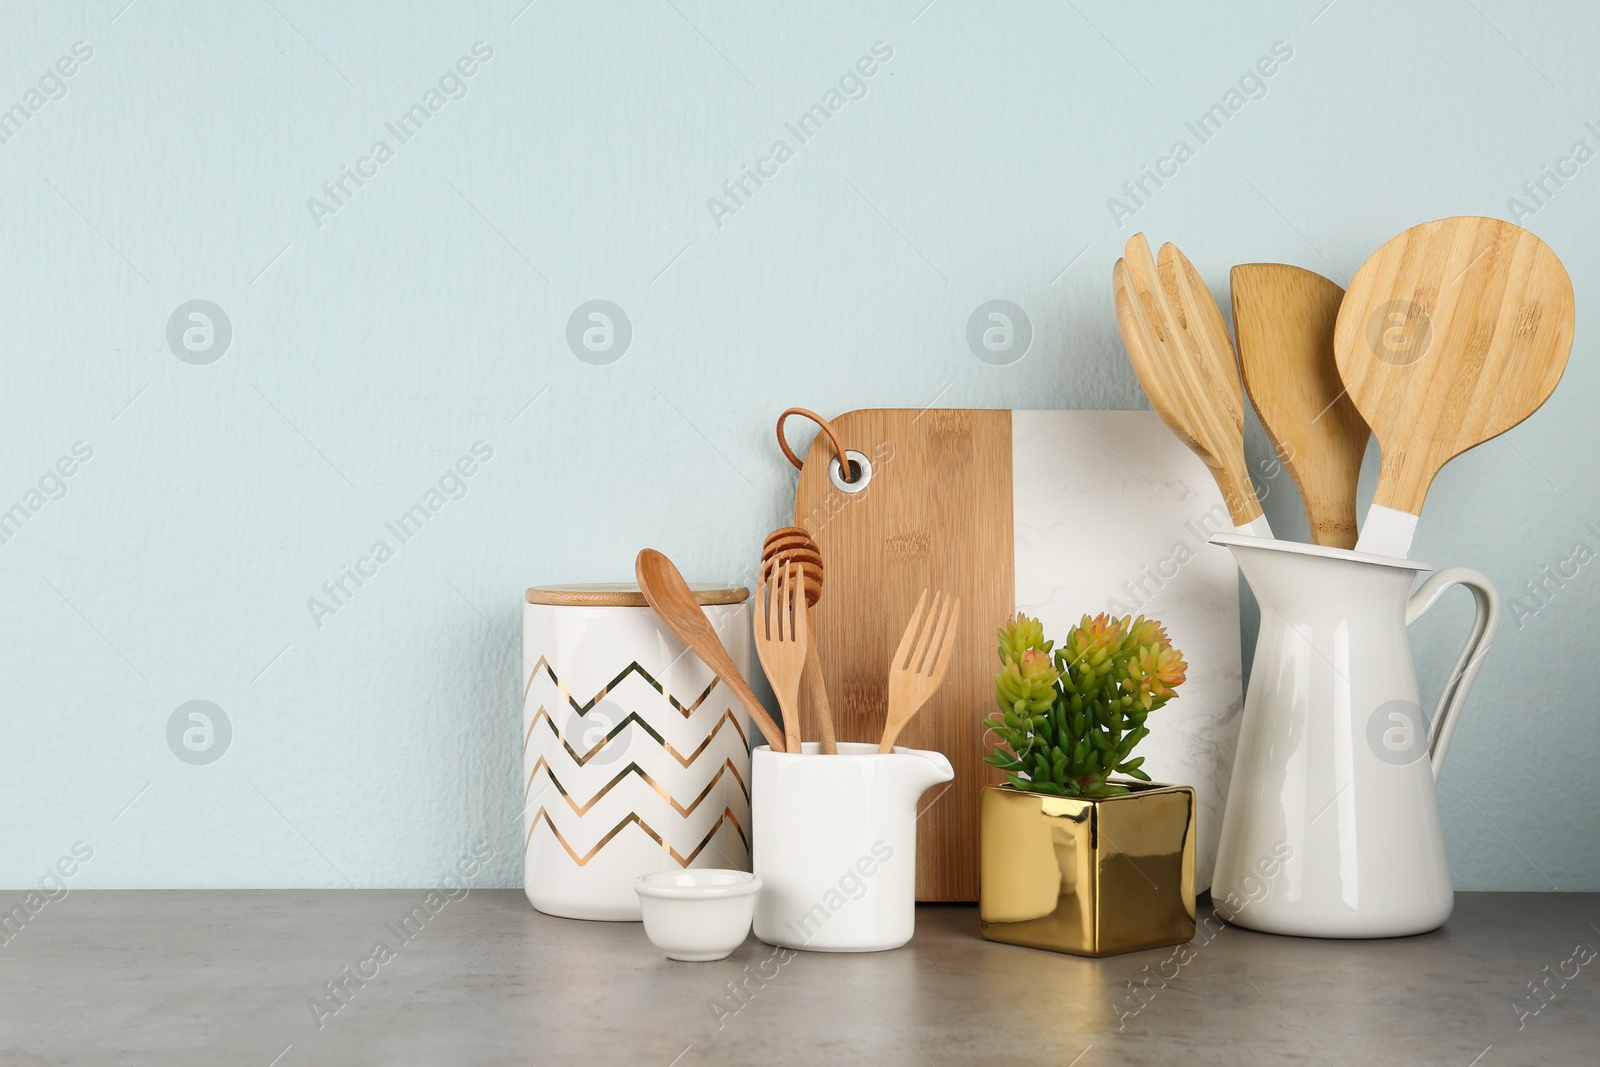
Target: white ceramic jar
635,758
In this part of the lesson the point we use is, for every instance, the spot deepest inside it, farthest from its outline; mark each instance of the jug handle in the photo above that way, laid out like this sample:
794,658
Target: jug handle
1485,624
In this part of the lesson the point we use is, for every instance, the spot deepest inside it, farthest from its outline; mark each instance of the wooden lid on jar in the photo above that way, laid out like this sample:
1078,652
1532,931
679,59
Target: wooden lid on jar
627,595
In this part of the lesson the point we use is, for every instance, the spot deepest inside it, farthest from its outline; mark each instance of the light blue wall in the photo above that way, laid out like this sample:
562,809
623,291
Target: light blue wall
374,345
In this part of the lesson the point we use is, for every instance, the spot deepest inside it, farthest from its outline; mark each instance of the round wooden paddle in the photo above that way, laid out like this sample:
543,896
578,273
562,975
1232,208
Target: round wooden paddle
1284,318
1451,334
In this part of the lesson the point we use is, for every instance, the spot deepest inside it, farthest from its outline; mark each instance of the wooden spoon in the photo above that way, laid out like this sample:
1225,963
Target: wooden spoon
666,591
1179,348
1284,318
792,544
1451,334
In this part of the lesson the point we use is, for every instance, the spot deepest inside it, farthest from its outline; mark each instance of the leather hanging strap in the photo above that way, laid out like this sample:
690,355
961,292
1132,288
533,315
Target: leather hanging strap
827,427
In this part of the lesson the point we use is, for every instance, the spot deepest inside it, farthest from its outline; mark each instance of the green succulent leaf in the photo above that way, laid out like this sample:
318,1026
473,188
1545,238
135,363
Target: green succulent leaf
1071,714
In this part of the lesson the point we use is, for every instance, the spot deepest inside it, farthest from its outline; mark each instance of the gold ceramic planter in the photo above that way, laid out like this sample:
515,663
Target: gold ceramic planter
1090,876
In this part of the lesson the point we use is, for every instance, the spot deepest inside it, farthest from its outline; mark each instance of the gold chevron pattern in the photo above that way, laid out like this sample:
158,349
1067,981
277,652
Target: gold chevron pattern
631,669
727,785
728,718
634,820
633,768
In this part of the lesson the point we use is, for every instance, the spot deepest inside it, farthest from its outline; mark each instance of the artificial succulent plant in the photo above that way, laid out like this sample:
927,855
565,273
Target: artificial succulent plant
1070,718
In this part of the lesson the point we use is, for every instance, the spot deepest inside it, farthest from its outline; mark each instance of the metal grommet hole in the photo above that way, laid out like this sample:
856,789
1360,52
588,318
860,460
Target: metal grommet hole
860,468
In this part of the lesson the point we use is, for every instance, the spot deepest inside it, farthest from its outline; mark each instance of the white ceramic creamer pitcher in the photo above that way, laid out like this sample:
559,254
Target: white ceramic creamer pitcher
1332,824
836,844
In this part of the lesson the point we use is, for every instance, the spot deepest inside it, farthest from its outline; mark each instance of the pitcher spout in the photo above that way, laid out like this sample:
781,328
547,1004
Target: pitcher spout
924,769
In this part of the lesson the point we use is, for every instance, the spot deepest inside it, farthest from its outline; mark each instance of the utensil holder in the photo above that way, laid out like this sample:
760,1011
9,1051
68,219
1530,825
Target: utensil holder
635,757
1335,778
836,845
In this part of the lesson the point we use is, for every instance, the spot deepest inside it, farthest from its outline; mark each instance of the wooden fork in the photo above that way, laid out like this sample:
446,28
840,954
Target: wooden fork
781,641
919,663
1182,355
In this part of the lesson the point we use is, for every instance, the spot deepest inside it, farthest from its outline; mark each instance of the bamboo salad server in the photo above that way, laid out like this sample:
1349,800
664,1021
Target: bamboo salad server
1180,350
1451,334
1284,318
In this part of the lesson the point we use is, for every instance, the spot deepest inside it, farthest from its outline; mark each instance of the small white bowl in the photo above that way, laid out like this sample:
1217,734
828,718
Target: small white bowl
697,914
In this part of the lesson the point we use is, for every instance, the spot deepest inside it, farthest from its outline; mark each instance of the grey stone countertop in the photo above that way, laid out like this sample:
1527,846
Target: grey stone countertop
171,979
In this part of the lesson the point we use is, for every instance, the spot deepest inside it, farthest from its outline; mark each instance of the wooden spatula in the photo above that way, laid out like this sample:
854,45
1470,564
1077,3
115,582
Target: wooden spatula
1284,318
1179,348
1451,334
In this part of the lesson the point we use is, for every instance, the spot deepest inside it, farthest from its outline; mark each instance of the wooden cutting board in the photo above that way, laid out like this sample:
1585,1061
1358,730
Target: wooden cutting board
1056,513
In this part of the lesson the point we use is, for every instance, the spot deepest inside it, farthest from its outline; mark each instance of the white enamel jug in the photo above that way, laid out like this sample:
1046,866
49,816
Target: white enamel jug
1332,824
